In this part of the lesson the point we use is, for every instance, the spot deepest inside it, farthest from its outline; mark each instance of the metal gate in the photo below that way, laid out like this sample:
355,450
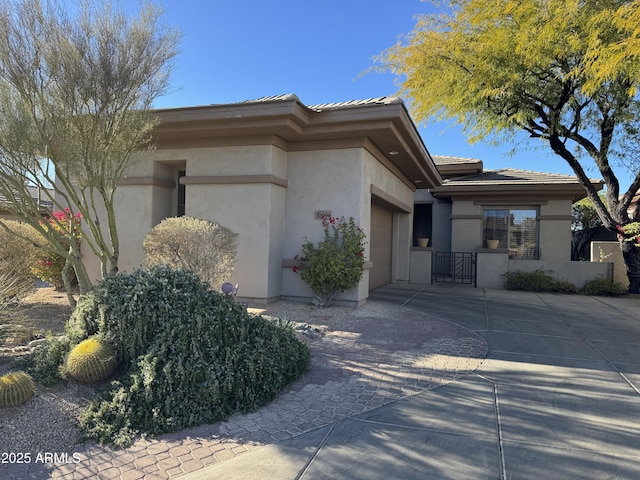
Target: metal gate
453,267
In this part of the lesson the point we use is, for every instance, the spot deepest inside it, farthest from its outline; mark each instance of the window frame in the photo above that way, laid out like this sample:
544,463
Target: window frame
517,249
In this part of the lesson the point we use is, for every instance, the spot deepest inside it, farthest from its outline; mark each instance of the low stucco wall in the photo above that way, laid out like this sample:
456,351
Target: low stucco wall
492,265
577,273
421,265
490,268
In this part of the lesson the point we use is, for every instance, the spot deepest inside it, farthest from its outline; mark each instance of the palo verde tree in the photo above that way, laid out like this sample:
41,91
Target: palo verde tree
564,71
76,91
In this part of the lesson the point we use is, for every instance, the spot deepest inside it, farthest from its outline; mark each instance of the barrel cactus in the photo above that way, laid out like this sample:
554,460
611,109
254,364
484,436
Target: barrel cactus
15,389
91,361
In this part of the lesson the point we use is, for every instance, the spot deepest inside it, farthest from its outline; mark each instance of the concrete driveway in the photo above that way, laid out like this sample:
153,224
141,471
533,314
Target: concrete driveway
556,398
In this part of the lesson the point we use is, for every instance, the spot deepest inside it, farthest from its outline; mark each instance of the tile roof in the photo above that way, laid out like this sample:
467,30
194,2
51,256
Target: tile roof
449,160
325,106
356,103
287,97
512,176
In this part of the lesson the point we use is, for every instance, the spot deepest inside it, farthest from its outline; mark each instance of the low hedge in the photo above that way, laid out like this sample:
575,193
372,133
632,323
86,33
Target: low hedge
536,281
539,281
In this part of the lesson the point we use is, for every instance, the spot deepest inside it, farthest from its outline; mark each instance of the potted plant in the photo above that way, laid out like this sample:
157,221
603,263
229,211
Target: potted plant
423,241
492,244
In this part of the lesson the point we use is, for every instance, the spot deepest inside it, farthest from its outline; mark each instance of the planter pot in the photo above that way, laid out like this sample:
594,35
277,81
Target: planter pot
492,244
423,242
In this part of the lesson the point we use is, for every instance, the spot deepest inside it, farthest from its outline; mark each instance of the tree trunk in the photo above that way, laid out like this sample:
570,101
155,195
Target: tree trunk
66,280
631,255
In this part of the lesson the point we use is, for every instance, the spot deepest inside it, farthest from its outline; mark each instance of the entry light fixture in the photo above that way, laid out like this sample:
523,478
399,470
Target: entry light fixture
393,153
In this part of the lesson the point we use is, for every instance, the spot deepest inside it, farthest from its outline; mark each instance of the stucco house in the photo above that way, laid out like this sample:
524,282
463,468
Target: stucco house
270,168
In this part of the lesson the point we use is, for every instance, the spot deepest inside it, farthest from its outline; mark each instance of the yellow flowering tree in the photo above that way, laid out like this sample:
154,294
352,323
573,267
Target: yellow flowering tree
565,72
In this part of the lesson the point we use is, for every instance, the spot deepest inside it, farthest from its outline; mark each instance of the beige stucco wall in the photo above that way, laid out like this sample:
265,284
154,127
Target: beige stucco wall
466,225
377,177
555,230
421,265
326,180
247,210
272,219
140,207
490,268
253,210
340,181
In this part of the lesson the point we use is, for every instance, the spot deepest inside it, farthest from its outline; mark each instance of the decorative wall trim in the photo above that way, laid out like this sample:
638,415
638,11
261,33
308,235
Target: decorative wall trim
149,181
389,201
233,180
208,142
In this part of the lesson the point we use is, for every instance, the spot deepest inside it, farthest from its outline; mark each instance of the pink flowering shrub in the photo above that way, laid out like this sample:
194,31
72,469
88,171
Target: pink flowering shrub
48,265
336,263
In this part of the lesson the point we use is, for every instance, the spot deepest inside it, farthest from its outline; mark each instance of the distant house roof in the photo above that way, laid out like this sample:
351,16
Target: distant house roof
450,167
449,160
509,181
512,176
38,196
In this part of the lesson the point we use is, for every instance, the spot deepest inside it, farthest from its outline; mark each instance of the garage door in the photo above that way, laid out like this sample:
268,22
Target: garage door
380,246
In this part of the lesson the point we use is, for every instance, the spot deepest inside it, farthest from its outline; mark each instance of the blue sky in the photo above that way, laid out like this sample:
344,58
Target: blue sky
317,49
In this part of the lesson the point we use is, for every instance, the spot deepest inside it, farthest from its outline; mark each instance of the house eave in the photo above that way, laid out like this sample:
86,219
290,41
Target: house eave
573,191
388,126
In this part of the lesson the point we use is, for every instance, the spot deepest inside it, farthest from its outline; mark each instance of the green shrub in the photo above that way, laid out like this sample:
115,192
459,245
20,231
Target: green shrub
17,255
204,247
15,389
537,281
45,362
194,356
19,249
91,361
336,263
85,319
603,287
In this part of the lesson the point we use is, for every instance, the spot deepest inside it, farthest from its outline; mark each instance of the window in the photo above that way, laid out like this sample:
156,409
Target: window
515,229
180,210
422,221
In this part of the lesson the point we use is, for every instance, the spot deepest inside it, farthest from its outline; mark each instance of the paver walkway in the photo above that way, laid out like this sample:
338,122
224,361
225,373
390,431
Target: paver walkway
371,358
557,397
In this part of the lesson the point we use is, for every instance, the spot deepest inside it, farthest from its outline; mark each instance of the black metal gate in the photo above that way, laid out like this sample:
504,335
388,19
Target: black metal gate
453,267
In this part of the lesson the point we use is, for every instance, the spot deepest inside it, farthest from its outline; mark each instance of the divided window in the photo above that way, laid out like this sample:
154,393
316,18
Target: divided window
514,228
